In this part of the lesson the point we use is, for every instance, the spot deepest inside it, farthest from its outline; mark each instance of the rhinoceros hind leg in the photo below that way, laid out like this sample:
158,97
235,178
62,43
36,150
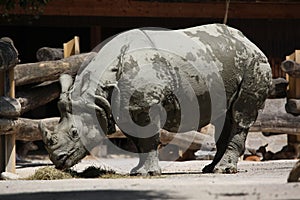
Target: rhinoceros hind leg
221,144
242,113
244,110
235,149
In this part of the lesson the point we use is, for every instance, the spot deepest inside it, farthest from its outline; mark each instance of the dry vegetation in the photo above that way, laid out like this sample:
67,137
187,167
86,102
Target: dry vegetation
51,173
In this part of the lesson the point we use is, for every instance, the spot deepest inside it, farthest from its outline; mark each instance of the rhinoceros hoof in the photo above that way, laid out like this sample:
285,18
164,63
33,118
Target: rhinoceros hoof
143,172
208,168
225,169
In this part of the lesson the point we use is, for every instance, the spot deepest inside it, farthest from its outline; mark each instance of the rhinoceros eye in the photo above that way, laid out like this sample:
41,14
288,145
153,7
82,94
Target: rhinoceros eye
74,132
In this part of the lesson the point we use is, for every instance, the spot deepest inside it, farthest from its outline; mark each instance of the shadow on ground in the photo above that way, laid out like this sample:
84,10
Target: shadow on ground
103,194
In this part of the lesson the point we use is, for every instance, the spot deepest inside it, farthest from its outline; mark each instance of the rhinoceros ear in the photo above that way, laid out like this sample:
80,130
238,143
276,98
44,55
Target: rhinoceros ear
64,104
66,82
45,132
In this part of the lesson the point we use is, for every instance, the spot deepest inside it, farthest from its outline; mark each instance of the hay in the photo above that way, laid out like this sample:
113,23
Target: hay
49,173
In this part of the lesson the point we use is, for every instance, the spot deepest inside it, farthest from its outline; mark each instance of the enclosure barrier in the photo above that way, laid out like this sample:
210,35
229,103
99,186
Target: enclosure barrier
9,59
291,66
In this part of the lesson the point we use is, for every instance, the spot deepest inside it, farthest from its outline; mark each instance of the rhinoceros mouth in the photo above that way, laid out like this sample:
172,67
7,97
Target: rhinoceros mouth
65,161
60,164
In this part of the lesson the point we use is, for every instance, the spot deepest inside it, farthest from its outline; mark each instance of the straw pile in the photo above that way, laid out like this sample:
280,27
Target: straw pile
51,173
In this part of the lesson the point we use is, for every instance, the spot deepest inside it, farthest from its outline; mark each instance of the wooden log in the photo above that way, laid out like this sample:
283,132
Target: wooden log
28,99
274,119
285,123
49,54
26,129
291,67
272,123
8,54
278,88
293,106
191,140
49,70
10,107
33,97
8,60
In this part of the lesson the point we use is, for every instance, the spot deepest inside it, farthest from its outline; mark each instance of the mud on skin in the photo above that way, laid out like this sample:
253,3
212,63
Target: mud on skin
152,78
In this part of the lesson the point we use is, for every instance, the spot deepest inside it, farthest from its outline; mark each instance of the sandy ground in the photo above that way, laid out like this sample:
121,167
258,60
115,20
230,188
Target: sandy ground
180,180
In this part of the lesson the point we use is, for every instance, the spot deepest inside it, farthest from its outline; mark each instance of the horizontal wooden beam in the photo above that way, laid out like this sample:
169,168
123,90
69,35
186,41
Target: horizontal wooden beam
133,8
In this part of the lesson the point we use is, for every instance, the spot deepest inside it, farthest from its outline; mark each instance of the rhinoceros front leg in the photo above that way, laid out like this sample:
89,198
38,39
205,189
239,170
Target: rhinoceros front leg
148,156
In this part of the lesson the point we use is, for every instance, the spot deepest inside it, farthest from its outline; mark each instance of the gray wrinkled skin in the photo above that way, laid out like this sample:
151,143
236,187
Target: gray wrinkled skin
145,82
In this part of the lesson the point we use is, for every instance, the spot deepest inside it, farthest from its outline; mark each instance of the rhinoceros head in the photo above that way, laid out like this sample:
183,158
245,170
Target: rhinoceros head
78,129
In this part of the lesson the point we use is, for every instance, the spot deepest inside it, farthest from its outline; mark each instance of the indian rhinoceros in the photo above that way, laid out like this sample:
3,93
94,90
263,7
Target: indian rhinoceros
145,80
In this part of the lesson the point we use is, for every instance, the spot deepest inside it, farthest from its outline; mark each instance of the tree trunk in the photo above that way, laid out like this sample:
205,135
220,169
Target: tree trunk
50,70
293,106
26,129
272,123
272,119
291,67
191,140
33,97
10,107
49,54
278,88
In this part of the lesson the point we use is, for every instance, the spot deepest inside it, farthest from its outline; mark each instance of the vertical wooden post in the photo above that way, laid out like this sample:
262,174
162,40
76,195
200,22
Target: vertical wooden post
71,47
8,147
9,54
10,140
2,137
294,93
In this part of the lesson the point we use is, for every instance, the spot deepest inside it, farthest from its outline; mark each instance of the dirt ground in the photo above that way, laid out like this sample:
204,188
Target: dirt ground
180,180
